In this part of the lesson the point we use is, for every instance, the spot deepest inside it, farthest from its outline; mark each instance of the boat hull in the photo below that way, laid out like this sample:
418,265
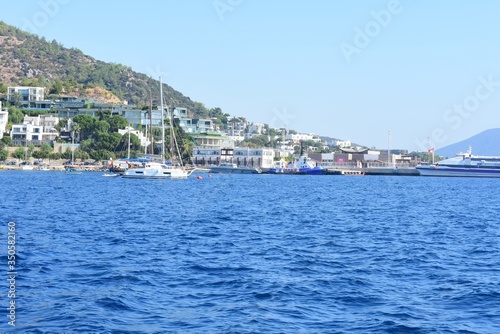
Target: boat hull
234,170
312,171
458,171
145,173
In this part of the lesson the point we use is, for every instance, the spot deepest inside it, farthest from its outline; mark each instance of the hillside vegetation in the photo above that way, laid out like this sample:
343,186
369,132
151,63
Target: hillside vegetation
26,59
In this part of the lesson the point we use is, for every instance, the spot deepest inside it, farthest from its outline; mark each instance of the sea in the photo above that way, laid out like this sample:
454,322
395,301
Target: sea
249,254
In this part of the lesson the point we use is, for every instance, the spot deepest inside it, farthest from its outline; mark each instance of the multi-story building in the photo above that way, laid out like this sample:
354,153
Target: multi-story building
296,137
343,143
35,130
26,133
253,157
256,128
236,126
197,125
4,119
26,96
144,141
242,157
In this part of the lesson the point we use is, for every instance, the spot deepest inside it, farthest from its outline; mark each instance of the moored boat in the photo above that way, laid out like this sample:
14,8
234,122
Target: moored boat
232,168
146,169
156,170
27,167
304,165
73,171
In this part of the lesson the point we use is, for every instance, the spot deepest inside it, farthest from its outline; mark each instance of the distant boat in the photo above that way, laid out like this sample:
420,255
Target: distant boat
199,170
27,167
110,175
73,171
117,169
231,168
464,165
156,170
279,167
304,165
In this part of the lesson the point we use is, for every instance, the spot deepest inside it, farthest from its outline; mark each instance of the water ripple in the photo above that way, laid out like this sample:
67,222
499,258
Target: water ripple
248,254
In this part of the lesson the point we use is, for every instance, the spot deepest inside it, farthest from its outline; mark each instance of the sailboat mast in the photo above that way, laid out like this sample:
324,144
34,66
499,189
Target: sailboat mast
151,121
146,135
171,112
162,123
128,150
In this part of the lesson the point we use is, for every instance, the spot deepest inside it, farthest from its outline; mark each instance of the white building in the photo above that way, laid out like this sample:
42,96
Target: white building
144,141
36,130
48,122
283,151
4,119
302,136
197,126
29,97
256,128
343,143
253,157
21,133
243,157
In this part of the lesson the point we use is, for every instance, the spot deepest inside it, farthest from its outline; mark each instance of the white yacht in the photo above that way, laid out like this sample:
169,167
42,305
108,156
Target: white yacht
156,170
232,168
465,165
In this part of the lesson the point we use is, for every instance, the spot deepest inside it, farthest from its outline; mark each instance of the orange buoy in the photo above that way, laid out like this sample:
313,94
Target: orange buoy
199,177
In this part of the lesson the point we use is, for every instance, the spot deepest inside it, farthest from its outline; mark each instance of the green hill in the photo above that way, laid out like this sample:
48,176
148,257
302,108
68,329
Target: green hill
27,59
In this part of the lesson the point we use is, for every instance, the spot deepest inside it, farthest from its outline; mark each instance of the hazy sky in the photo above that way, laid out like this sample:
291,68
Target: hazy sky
346,69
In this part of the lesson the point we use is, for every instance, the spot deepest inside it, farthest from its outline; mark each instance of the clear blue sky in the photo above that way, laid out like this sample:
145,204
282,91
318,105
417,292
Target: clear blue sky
347,69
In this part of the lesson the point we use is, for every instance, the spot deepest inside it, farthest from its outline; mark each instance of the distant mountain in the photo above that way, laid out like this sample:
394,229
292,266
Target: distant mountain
484,143
28,59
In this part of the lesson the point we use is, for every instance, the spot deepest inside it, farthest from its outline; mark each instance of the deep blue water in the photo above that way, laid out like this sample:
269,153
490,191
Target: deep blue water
252,254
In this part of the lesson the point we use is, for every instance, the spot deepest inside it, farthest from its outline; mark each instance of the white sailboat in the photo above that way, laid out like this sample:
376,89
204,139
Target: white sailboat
73,169
159,170
27,165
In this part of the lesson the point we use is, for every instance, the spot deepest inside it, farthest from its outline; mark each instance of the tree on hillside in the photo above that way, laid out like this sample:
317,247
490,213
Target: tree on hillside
86,123
45,150
101,126
76,128
102,155
3,154
16,99
6,140
61,124
54,156
135,143
18,153
57,87
117,122
15,115
3,88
